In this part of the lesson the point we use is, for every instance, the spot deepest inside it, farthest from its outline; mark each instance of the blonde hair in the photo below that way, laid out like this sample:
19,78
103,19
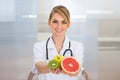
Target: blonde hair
63,11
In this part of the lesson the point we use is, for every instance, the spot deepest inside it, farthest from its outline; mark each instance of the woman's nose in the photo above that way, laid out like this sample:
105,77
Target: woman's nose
59,25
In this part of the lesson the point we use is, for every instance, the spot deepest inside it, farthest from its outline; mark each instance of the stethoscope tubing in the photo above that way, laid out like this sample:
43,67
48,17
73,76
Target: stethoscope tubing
71,54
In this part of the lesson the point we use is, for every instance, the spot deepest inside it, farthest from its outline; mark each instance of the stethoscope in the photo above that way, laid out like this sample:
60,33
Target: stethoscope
64,51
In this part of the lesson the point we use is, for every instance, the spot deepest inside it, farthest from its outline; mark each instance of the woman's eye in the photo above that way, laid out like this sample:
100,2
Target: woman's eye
64,22
54,21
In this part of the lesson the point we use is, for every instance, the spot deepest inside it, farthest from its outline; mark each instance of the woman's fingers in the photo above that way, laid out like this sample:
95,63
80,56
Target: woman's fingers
56,71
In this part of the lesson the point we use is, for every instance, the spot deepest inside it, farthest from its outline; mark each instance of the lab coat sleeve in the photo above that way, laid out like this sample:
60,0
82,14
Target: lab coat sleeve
38,53
80,55
79,52
34,70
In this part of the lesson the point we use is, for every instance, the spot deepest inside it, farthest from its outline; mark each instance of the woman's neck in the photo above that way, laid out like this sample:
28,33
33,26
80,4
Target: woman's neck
58,41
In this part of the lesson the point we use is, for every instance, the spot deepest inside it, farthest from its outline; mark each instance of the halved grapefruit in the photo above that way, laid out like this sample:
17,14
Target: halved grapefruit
70,65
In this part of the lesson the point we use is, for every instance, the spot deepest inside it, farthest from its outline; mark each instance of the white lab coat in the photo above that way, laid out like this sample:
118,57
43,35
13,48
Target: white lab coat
40,55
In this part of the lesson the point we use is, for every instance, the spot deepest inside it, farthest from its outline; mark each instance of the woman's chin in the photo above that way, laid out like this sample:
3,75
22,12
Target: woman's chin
59,34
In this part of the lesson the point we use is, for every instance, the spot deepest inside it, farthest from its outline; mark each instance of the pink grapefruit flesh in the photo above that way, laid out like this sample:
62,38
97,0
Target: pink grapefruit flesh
70,65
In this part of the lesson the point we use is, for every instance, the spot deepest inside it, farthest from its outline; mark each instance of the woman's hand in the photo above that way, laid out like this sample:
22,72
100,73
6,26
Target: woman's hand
70,74
56,71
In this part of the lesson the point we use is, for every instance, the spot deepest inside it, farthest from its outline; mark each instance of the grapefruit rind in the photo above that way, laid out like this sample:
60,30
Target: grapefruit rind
70,64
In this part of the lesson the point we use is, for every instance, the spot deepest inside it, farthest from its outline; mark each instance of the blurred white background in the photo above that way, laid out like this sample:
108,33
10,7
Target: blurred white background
96,23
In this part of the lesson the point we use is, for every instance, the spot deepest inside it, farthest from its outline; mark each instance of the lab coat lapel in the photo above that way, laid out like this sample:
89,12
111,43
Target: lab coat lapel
65,45
52,50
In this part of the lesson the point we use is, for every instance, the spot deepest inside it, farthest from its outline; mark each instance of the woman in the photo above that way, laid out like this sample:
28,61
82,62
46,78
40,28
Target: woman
59,22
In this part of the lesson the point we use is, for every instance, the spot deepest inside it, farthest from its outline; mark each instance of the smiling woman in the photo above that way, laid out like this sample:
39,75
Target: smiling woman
59,21
58,25
57,44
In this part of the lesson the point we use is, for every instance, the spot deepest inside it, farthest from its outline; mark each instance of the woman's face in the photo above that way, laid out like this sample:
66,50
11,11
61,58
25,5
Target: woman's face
58,25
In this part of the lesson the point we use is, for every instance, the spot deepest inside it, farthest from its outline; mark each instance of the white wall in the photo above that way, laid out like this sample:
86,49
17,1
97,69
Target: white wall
7,10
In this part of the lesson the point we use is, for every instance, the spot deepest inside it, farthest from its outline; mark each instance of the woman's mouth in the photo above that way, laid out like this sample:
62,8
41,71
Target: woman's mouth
59,30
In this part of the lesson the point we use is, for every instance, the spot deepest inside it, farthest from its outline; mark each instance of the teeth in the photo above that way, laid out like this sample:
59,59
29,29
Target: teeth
58,30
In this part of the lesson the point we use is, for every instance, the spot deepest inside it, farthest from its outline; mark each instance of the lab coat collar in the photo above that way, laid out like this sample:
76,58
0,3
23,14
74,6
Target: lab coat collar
51,43
65,44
